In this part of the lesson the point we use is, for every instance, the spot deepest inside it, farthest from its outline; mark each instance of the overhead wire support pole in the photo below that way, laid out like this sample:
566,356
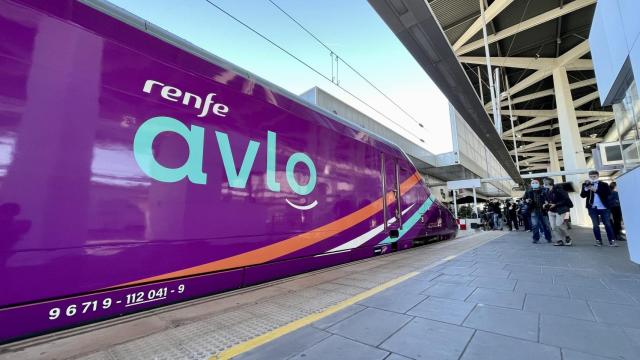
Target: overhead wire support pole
489,73
498,118
511,118
480,86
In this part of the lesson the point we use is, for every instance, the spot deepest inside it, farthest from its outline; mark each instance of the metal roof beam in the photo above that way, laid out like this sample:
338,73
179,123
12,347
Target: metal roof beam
534,121
549,92
594,124
554,113
528,62
514,62
527,24
585,99
492,11
530,130
583,83
525,154
532,96
594,118
579,65
570,56
534,138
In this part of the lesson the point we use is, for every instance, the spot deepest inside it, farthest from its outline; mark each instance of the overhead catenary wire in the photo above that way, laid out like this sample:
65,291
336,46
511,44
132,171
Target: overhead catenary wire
264,37
345,62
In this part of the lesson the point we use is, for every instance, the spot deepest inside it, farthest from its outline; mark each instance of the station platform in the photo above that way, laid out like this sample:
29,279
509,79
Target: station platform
488,295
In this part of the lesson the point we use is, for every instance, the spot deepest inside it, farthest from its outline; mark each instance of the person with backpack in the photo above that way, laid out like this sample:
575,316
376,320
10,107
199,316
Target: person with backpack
558,203
597,194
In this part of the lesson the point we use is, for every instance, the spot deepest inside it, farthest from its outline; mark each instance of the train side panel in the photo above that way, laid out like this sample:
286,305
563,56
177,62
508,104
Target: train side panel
134,174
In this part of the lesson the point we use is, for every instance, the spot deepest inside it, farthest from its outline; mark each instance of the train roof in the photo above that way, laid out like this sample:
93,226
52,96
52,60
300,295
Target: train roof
160,33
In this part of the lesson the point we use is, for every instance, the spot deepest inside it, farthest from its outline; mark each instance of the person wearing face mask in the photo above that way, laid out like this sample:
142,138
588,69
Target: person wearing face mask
535,198
558,204
597,194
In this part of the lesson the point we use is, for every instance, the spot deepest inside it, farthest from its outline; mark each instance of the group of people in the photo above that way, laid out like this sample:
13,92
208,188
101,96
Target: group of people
544,211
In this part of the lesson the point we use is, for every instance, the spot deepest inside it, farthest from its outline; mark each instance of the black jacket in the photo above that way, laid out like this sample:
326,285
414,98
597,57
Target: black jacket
604,191
560,198
538,198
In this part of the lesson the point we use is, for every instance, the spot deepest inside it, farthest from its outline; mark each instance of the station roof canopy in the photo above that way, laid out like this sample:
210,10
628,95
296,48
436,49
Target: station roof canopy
527,40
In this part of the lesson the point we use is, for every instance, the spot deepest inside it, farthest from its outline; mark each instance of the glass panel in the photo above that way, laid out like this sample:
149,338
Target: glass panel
627,114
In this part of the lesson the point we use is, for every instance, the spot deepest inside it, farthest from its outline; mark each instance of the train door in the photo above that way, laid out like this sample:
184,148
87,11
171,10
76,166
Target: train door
391,204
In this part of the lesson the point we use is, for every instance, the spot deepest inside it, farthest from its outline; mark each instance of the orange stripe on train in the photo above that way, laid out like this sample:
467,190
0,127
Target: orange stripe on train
286,246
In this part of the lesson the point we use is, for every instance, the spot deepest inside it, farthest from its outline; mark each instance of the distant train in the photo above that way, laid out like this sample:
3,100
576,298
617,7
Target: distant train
137,170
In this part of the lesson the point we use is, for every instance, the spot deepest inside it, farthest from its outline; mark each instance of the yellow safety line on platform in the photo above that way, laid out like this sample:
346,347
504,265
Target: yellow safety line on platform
283,330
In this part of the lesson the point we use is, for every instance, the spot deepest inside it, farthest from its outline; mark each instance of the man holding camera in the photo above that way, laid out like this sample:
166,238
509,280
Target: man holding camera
597,194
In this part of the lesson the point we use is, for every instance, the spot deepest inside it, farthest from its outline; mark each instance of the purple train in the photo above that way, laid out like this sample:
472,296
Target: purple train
137,170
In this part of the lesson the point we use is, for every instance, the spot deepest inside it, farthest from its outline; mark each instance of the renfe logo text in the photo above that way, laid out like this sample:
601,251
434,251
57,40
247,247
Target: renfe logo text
174,94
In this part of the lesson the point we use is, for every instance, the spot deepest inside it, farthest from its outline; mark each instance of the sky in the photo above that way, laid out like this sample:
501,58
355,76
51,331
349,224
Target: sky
349,27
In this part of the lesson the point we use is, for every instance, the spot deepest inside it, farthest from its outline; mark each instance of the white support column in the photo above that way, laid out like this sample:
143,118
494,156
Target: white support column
455,204
572,151
554,162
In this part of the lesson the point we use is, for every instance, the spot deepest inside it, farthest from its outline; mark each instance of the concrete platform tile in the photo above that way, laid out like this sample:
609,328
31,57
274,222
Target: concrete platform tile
622,284
497,273
587,336
486,265
337,347
287,345
445,310
634,335
394,301
617,314
429,340
370,326
558,306
338,316
568,354
494,283
579,281
508,299
102,355
425,276
455,270
409,287
450,291
603,295
454,279
504,321
523,268
485,346
396,357
460,263
531,287
531,276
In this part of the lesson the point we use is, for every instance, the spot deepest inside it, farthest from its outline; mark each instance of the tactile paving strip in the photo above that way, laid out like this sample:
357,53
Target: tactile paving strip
158,347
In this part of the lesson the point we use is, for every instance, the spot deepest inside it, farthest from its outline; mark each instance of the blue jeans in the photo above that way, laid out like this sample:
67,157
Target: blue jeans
496,221
540,223
605,215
